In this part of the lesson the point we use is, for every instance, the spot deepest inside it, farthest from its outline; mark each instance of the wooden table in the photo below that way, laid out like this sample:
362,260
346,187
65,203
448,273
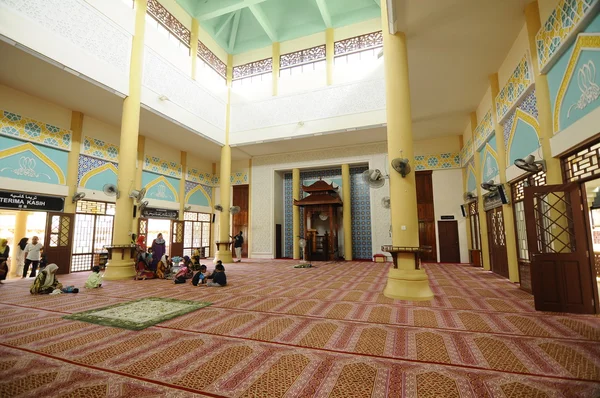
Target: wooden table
416,251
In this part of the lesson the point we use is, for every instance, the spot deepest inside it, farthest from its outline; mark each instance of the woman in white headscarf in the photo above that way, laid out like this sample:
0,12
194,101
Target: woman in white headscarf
163,267
46,282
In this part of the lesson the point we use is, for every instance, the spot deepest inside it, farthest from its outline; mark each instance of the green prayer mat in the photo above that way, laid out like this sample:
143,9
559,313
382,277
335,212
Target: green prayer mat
138,314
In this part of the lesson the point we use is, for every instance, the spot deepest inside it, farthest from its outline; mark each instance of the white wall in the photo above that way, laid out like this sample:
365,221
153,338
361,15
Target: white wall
53,30
263,193
98,129
485,105
447,198
34,107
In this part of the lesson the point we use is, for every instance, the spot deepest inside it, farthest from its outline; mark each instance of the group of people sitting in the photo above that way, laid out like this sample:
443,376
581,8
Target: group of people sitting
47,283
153,263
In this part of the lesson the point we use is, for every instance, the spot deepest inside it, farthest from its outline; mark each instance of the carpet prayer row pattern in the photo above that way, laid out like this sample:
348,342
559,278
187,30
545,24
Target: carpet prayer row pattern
325,331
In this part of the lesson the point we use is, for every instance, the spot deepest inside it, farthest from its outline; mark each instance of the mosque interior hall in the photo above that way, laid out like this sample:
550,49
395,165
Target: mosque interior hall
300,198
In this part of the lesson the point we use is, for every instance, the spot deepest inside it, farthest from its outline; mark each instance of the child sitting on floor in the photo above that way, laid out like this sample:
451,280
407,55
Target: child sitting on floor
185,272
95,279
218,277
199,278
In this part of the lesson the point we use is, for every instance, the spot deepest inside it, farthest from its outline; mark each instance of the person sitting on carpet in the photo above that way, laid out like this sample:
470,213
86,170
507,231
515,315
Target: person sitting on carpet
185,272
45,282
142,271
163,267
199,278
218,277
3,271
95,279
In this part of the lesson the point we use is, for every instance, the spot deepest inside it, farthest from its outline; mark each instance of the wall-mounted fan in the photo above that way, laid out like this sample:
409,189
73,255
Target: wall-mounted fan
218,208
374,178
138,195
401,166
143,205
468,196
489,186
386,202
323,216
78,196
234,209
530,165
110,190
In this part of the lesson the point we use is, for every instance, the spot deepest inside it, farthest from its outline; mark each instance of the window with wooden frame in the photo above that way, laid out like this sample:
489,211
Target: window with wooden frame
162,20
210,64
252,73
358,49
298,62
518,196
474,225
196,232
93,230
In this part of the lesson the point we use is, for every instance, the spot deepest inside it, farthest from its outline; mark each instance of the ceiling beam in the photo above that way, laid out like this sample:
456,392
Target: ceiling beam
224,24
324,13
378,2
264,21
234,30
213,9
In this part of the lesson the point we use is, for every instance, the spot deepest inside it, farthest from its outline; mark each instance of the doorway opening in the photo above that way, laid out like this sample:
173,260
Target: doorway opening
159,226
93,230
35,226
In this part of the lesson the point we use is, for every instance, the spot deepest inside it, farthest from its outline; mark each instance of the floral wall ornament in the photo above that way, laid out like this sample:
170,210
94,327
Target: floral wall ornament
590,91
26,168
161,192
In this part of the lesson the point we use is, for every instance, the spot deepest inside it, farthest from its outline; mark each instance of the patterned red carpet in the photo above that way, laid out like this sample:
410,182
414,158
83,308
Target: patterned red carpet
277,331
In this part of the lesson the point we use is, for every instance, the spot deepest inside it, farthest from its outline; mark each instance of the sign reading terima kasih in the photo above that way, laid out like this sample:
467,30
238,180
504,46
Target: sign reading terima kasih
28,201
150,212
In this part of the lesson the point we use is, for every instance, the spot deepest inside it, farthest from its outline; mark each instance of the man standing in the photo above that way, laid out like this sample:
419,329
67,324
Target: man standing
32,256
238,242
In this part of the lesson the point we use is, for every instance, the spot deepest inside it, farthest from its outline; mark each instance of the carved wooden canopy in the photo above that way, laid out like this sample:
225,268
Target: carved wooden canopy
320,193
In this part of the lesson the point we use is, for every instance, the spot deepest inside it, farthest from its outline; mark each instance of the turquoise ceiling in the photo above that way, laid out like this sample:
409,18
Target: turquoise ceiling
243,25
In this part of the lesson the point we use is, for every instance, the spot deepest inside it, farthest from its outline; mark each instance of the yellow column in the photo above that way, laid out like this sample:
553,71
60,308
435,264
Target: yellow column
296,212
542,94
73,161
20,231
507,210
404,282
122,266
249,237
213,237
276,59
347,212
329,53
465,176
485,250
194,46
182,203
138,178
224,252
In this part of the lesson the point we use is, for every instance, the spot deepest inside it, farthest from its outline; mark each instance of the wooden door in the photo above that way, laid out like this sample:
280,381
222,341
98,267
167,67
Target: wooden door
278,240
497,242
426,214
240,220
448,239
59,240
561,269
177,233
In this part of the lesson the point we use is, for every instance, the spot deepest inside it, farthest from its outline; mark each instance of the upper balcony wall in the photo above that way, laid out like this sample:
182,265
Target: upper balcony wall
186,102
92,37
333,108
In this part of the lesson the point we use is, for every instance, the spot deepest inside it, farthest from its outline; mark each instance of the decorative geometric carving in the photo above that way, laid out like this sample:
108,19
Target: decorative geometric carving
212,60
100,149
302,57
355,380
168,20
442,161
583,164
466,153
520,80
353,44
253,68
528,106
565,18
160,166
27,129
484,130
434,385
498,355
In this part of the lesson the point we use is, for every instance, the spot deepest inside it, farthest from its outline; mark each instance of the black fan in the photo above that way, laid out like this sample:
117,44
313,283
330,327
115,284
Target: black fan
530,165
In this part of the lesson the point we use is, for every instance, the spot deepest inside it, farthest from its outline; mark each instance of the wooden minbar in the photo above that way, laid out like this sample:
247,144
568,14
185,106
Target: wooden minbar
322,201
416,251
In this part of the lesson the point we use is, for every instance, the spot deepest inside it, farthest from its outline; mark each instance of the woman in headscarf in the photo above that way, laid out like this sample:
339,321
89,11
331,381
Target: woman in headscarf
163,267
4,250
46,282
158,250
21,255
